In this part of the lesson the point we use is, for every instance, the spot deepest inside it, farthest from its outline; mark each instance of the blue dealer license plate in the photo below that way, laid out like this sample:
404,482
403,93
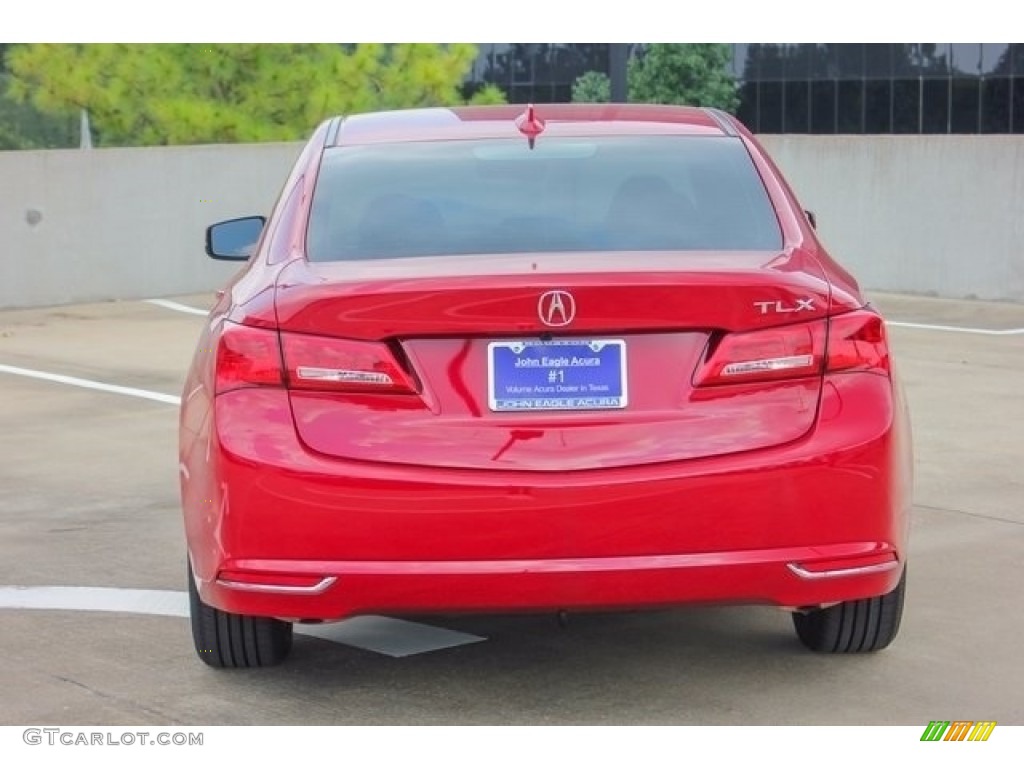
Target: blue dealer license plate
562,375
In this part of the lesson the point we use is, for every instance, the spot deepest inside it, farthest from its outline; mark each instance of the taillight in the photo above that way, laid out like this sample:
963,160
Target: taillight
855,342
247,357
343,365
776,353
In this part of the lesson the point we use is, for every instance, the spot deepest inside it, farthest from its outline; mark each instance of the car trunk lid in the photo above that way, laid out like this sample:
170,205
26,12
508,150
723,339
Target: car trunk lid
448,320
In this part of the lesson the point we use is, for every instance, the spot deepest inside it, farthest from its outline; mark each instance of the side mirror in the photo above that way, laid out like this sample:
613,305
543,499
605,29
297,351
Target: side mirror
812,219
235,239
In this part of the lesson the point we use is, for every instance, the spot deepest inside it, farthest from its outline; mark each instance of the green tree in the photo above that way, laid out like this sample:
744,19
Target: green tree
486,93
22,126
669,73
592,88
683,73
141,94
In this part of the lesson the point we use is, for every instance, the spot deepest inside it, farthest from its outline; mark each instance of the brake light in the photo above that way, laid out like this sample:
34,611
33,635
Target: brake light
343,365
855,342
247,357
775,353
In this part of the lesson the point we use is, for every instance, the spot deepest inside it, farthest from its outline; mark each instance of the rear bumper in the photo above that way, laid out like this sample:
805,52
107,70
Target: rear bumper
276,530
793,578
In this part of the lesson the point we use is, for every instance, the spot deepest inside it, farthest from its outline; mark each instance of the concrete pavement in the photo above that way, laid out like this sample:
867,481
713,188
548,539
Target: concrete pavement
88,497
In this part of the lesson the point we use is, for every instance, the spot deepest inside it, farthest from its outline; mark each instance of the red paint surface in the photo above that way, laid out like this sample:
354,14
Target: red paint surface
422,499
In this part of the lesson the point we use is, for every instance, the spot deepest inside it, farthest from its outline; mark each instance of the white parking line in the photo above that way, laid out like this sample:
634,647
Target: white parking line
957,329
167,304
74,381
148,602
391,637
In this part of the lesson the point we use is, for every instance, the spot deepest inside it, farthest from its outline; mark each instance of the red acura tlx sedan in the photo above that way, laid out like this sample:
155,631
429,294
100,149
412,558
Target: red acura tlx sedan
560,358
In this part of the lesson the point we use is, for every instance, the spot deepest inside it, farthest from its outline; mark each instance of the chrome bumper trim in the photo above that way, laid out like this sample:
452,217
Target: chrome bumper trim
803,573
322,586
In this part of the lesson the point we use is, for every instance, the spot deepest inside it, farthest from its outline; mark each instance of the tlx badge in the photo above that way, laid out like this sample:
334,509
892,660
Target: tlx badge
802,305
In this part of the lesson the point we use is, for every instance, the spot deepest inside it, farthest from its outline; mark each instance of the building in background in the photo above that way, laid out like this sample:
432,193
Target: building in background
813,87
537,72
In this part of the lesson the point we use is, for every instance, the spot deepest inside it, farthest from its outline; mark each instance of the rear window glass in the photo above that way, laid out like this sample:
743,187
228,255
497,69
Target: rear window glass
567,194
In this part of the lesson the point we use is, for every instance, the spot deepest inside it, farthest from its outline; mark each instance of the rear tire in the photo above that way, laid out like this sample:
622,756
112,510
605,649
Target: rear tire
230,640
856,626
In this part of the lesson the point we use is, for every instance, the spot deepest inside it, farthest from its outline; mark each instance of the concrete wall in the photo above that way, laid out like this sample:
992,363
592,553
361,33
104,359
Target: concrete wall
939,215
84,225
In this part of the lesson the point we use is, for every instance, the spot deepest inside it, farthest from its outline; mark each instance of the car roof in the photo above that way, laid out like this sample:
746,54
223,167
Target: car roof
499,121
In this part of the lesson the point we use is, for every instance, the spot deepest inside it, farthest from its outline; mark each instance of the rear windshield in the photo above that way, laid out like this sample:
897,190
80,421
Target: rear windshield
672,193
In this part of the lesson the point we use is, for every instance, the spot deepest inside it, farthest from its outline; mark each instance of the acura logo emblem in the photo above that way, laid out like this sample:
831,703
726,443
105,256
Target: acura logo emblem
556,308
